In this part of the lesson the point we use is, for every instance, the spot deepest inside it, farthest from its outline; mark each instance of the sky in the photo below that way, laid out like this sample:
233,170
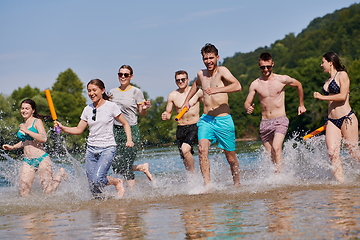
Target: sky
39,39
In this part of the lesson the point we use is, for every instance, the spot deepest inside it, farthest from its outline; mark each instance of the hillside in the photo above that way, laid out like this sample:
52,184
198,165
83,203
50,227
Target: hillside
300,57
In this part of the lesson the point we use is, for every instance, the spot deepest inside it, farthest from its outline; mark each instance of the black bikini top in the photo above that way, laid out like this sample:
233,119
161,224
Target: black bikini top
332,88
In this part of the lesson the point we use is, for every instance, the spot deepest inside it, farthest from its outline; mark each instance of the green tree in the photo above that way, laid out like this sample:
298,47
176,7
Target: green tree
354,75
67,94
23,93
299,57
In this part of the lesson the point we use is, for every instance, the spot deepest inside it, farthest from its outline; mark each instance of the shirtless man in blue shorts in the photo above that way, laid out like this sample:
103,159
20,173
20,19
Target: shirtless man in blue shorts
274,123
216,123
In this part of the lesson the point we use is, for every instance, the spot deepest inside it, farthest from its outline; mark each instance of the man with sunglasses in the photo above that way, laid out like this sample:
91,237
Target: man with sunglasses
216,124
186,132
271,90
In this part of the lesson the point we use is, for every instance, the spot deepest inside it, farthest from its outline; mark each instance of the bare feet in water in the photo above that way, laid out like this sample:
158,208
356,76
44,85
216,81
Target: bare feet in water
118,183
145,169
120,188
207,188
63,174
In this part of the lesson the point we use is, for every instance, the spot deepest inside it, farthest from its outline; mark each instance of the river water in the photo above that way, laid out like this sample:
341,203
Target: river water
303,202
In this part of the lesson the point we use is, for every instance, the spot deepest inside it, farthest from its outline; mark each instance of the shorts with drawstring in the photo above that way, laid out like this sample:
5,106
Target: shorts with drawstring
218,129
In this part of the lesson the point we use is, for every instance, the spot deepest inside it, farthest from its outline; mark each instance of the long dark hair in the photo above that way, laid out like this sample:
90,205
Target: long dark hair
101,85
335,59
33,106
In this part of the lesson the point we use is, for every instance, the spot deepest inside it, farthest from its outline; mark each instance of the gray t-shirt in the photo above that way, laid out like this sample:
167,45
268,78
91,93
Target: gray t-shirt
128,100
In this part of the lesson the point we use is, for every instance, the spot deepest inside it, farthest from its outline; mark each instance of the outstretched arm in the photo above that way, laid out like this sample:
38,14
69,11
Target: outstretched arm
12,147
295,83
73,130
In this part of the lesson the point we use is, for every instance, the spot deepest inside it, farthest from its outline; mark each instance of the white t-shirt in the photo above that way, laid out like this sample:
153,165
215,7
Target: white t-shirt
128,100
101,130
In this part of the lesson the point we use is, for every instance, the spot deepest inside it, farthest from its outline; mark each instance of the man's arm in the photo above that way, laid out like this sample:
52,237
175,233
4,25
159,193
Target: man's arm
166,115
198,97
232,86
194,88
295,83
249,105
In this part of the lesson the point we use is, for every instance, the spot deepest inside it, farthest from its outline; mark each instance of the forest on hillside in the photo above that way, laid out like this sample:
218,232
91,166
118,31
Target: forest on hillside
300,57
297,56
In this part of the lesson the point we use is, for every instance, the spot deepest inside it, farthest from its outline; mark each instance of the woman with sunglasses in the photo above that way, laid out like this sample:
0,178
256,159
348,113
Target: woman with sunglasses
131,101
101,145
342,121
32,136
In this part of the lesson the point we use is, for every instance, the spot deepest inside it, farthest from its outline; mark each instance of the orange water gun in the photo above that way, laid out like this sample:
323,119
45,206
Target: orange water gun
313,133
181,113
52,108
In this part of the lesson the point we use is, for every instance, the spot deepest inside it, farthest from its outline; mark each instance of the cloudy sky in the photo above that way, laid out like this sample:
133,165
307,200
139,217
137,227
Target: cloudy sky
39,39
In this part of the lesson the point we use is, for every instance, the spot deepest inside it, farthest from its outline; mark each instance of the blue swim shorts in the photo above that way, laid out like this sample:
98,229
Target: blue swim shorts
220,129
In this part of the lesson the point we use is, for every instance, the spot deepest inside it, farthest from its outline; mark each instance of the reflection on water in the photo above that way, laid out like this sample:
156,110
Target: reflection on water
320,214
303,202
198,221
344,213
280,212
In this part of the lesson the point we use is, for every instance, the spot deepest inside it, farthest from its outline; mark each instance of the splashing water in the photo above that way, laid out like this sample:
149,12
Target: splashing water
306,163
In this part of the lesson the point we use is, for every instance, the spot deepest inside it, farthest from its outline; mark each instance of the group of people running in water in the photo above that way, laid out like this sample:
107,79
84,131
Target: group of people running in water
114,136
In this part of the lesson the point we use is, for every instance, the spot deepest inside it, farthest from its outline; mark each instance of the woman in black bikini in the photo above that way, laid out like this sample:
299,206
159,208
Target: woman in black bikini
32,136
342,121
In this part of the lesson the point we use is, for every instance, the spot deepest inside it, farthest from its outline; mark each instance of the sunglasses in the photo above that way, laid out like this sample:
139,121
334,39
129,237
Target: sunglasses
94,116
124,74
180,80
268,67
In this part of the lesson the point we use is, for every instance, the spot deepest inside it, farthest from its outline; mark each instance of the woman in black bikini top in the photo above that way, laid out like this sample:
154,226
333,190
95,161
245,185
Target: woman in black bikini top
342,121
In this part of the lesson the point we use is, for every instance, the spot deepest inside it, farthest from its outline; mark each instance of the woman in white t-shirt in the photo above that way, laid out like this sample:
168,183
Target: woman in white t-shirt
101,145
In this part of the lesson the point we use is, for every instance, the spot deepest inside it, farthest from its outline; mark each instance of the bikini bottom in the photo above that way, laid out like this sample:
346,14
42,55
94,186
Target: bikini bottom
35,162
339,122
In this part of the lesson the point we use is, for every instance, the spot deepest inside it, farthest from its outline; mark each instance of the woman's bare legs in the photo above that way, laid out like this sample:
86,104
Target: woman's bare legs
351,137
26,179
48,183
333,141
